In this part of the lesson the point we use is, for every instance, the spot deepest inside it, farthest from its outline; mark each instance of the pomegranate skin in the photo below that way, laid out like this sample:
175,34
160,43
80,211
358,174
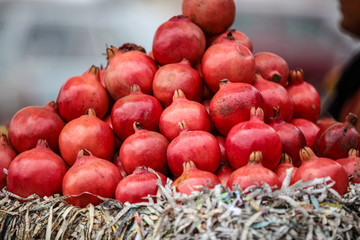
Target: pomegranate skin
36,171
238,36
126,69
32,123
231,105
178,39
80,93
223,173
212,16
174,76
308,128
351,165
284,165
7,154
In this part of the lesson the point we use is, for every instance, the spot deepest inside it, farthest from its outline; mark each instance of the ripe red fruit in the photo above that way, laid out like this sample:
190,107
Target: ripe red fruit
80,93
200,147
223,173
88,178
318,167
32,123
221,140
7,154
192,178
212,16
174,76
36,171
135,107
253,135
254,173
284,165
238,36
231,105
351,165
308,128
176,39
144,148
139,185
87,131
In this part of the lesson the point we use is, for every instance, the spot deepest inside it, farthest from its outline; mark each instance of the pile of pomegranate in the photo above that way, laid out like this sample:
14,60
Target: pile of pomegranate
200,109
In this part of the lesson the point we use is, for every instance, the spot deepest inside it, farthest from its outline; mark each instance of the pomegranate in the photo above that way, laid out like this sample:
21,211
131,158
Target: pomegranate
308,128
292,138
126,69
238,36
136,106
274,95
254,173
253,135
221,140
212,16
117,141
304,96
318,167
118,164
351,165
87,131
192,112
201,147
337,139
139,185
224,173
176,39
227,60
32,123
89,178
36,171
284,165
192,178
7,154
325,122
231,105
272,67
144,148
174,76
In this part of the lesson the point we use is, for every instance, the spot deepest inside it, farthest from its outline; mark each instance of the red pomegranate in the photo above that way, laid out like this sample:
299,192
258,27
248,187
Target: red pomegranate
223,173
80,93
231,105
337,139
87,131
253,135
136,106
200,147
193,113
284,165
144,148
139,185
308,128
272,67
274,95
89,178
238,36
227,60
351,165
212,16
221,140
180,75
304,96
192,178
325,122
292,138
36,171
32,123
118,164
317,167
126,69
254,173
7,154
176,39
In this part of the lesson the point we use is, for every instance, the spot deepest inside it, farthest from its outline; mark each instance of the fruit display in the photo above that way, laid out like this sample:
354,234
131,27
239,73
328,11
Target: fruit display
199,112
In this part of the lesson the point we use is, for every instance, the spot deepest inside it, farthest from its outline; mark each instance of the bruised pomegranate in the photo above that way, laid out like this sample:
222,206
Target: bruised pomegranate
176,39
284,165
231,105
308,128
144,148
200,147
318,167
192,112
136,106
174,76
212,16
192,178
139,185
36,171
238,36
7,154
254,173
89,178
351,165
337,139
32,123
87,131
253,135
80,93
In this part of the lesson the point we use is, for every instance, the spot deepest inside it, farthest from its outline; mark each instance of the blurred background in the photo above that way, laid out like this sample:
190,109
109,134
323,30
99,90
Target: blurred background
43,43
